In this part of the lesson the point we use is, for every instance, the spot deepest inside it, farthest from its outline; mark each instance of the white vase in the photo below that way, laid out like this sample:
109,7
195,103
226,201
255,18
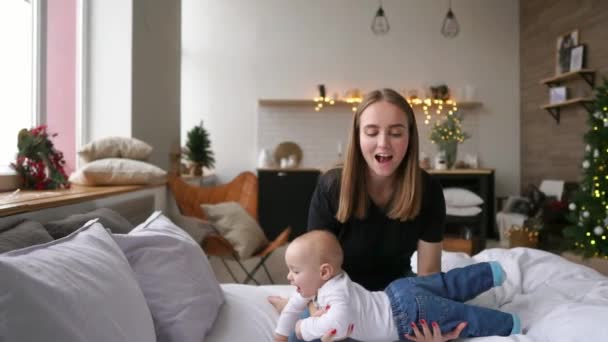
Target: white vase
265,159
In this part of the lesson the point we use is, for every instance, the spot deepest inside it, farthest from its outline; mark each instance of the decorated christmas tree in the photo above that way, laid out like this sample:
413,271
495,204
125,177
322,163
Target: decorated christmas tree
589,208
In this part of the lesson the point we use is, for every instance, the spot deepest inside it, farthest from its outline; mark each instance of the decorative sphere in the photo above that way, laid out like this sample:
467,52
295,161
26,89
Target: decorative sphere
586,214
572,206
598,230
586,164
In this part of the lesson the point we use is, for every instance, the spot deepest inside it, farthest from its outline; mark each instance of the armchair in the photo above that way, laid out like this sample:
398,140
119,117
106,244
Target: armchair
243,189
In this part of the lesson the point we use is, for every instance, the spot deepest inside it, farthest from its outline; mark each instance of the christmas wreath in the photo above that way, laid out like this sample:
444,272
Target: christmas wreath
38,163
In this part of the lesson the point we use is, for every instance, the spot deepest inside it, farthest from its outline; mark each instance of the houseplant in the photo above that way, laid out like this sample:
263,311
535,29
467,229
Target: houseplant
198,149
38,163
447,134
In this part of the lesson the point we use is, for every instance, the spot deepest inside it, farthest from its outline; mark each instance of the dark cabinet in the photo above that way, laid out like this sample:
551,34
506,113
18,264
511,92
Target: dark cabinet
481,182
284,199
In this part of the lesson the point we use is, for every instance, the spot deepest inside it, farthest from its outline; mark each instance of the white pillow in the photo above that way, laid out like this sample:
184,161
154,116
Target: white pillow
175,276
458,197
116,171
248,301
77,288
115,147
237,226
462,211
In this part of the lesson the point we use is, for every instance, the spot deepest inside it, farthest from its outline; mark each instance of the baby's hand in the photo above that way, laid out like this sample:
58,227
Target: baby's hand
280,338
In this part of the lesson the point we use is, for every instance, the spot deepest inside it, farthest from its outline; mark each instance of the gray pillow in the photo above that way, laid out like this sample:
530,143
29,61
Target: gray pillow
107,217
17,233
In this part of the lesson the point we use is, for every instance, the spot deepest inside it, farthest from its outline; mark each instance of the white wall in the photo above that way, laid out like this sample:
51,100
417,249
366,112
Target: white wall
108,75
133,72
235,52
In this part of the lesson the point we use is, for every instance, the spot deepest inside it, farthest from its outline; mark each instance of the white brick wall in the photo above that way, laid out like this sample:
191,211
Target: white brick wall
319,133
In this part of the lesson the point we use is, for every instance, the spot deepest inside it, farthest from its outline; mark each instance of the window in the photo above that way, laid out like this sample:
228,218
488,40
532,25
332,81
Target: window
19,69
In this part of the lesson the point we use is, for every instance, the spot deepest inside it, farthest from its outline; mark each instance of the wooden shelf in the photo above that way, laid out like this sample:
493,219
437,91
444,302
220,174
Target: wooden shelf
456,244
461,172
338,103
554,108
587,74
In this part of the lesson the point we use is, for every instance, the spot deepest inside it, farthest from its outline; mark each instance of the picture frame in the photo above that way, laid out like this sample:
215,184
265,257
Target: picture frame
557,95
577,57
564,46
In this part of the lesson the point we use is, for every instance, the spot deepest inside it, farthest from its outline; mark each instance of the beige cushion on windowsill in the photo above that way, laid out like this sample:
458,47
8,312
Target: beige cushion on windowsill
237,226
115,147
116,171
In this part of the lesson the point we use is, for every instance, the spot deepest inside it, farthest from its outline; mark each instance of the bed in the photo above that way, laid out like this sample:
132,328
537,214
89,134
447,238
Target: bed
556,299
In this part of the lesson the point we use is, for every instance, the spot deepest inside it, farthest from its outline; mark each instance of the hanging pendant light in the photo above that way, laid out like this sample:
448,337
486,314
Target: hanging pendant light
450,27
380,23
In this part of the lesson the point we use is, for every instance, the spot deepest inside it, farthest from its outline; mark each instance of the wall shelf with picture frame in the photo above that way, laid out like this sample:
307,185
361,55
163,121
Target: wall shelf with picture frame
569,66
554,108
586,74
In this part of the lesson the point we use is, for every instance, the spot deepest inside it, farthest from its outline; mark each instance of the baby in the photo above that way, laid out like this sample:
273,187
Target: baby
314,261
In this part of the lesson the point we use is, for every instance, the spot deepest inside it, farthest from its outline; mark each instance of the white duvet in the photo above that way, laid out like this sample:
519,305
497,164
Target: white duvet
557,300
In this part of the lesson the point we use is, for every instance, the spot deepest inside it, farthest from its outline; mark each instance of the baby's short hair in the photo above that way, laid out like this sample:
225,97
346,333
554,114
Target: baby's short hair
325,245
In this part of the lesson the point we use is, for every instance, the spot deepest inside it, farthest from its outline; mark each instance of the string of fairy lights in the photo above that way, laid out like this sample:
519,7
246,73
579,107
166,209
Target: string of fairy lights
429,106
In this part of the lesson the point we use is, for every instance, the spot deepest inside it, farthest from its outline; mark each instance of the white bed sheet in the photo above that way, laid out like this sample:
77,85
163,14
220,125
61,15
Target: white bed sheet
557,300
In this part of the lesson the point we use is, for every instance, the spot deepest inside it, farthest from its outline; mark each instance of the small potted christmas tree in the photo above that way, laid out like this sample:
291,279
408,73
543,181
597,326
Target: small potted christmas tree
198,149
447,135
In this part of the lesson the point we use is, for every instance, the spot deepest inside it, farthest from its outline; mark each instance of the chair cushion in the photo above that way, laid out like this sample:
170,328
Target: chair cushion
175,276
236,226
79,288
107,217
116,171
18,233
115,147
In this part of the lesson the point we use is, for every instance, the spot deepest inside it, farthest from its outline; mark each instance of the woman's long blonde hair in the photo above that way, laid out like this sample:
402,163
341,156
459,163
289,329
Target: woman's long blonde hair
406,200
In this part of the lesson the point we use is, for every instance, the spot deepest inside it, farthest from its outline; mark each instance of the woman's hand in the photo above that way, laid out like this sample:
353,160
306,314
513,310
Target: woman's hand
329,336
435,336
278,302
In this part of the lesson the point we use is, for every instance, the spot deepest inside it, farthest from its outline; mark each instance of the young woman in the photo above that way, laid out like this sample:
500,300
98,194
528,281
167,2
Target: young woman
381,205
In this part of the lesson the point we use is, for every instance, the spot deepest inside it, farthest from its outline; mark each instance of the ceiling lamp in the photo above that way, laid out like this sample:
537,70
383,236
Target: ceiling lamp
450,27
380,23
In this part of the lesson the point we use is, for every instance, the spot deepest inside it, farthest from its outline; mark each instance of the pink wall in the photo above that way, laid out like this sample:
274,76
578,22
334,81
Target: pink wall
61,77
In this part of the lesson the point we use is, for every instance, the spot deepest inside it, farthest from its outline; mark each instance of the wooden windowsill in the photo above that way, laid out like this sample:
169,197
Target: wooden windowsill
30,200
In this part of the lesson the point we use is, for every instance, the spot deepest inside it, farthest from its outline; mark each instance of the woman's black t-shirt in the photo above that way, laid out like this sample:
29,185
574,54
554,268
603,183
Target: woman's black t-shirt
377,249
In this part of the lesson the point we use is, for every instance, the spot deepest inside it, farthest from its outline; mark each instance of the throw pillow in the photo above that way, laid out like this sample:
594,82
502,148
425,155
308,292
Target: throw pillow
115,147
115,171
18,233
107,217
79,288
462,211
176,278
459,197
194,226
237,226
